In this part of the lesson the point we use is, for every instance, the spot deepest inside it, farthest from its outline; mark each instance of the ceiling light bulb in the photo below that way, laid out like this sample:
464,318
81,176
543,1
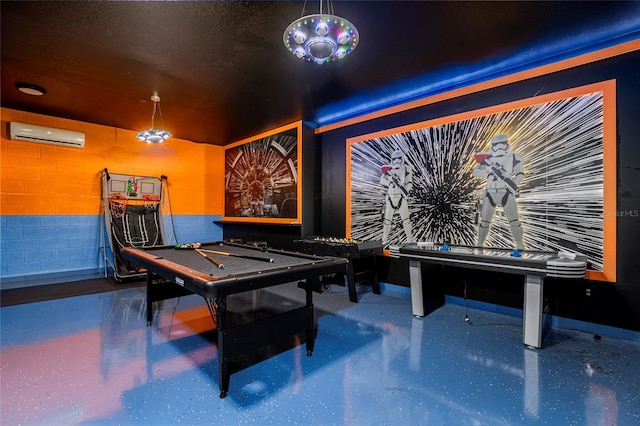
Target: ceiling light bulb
322,29
30,89
299,37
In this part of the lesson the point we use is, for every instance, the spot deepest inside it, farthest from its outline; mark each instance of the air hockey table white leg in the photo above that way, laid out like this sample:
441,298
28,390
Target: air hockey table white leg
533,311
415,280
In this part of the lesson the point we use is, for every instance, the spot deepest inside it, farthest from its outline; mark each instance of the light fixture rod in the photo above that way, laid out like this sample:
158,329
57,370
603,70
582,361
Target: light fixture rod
329,7
156,105
153,115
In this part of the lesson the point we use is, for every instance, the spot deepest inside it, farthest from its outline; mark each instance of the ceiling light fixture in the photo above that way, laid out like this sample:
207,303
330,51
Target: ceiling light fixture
154,135
321,37
31,89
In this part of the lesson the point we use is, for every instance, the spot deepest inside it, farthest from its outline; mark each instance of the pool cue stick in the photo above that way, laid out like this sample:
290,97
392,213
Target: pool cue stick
210,259
224,253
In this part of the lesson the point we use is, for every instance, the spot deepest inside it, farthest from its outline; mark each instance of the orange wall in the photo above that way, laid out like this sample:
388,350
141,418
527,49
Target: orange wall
40,179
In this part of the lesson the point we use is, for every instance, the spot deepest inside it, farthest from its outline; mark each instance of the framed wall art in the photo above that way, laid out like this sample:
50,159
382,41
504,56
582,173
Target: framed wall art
263,178
535,174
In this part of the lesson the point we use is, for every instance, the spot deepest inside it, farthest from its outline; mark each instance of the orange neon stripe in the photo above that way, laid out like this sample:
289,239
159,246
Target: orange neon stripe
610,180
348,190
608,89
490,84
299,194
295,124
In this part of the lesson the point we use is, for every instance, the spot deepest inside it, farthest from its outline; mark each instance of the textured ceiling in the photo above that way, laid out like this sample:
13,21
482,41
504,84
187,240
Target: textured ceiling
222,70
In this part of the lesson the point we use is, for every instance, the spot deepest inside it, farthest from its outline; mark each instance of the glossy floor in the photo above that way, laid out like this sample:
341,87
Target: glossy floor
91,360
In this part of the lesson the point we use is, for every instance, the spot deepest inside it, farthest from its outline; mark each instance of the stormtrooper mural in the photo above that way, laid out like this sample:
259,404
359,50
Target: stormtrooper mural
503,170
398,179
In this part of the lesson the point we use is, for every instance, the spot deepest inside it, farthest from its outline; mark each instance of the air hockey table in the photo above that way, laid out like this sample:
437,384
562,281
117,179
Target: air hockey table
535,266
229,269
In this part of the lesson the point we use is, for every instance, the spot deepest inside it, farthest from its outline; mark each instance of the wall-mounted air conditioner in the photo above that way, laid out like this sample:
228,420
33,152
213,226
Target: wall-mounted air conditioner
33,133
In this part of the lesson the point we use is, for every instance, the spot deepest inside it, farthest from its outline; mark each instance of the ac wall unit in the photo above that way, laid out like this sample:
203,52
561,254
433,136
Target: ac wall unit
33,133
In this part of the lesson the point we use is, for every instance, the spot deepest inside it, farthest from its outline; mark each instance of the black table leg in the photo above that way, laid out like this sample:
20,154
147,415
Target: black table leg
310,334
351,283
219,311
376,282
149,299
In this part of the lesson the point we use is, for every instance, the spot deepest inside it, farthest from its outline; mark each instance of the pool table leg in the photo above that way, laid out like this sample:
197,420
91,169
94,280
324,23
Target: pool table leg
220,308
310,334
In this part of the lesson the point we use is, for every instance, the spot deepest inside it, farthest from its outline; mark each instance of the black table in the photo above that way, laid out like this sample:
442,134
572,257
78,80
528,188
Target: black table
360,253
245,268
534,265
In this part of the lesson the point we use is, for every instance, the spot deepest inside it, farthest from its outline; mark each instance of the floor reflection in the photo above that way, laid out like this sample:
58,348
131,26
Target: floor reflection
92,360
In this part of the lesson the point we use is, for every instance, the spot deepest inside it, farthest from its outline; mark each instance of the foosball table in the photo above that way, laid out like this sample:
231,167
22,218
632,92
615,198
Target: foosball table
361,255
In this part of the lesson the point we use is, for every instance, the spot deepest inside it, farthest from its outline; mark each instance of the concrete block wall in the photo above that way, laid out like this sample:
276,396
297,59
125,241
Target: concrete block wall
50,196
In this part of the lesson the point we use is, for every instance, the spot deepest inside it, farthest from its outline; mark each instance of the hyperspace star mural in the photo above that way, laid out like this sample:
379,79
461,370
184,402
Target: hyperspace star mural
527,175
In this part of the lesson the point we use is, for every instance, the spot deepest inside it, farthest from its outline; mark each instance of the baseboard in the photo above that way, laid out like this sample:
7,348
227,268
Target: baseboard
7,283
597,330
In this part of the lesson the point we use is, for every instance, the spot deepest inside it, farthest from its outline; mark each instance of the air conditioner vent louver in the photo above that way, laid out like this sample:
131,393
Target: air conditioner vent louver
48,135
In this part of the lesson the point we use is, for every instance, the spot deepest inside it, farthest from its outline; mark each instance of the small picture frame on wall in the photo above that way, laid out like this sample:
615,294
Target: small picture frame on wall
263,177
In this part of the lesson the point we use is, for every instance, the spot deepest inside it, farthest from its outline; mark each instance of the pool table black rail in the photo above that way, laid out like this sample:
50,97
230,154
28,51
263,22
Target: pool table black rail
210,287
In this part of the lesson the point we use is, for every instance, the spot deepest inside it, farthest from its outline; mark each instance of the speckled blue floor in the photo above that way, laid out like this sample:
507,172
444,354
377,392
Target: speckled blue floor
92,360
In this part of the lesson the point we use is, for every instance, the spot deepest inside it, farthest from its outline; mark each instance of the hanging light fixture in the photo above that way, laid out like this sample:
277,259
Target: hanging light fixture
321,37
154,135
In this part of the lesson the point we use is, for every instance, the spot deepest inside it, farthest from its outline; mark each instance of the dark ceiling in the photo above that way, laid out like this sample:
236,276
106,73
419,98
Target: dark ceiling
221,68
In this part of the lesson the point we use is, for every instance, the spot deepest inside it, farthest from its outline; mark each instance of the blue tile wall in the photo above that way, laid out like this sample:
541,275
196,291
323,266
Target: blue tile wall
191,229
36,248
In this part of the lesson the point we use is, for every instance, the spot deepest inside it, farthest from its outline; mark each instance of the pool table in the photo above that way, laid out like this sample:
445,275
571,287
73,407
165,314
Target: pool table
216,270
